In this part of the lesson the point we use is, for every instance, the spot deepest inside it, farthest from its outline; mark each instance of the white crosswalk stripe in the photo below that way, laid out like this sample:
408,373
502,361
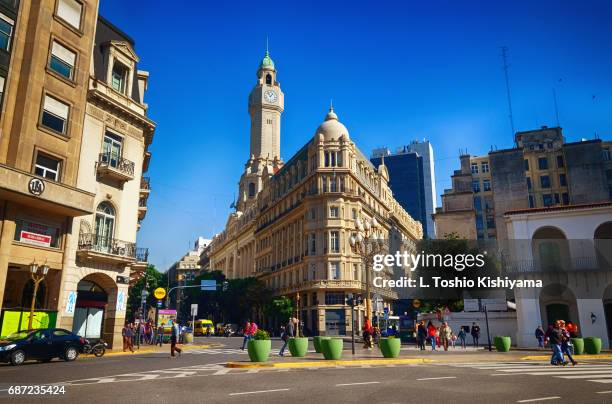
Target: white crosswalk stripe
223,351
593,372
229,351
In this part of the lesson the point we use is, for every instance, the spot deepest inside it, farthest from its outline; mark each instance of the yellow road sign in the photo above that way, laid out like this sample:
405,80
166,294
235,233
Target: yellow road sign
159,293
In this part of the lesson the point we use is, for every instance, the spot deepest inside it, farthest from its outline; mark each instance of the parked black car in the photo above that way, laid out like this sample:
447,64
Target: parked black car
42,345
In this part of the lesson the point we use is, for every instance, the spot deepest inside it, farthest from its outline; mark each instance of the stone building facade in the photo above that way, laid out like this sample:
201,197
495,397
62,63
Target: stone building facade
73,150
541,171
293,231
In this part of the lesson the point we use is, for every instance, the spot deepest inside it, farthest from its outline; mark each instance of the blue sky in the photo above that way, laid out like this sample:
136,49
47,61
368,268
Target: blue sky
396,71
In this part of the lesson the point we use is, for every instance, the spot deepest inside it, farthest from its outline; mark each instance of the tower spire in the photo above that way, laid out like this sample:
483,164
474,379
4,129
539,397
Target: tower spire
331,104
267,50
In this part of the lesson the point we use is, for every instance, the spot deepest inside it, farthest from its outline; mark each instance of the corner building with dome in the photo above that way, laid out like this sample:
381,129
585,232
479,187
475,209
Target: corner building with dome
293,220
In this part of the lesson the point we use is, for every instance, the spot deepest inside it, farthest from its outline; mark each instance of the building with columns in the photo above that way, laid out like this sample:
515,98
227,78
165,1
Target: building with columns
293,220
570,249
73,152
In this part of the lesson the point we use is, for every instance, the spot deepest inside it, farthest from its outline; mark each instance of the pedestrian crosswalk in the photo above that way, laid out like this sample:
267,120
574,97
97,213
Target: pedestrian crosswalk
593,372
229,351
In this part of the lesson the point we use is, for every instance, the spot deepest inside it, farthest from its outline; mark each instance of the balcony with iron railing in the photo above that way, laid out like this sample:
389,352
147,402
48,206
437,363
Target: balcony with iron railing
93,246
142,208
111,165
591,264
145,187
142,254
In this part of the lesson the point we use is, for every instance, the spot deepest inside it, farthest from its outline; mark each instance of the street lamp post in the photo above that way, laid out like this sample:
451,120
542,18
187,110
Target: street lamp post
367,243
297,311
37,273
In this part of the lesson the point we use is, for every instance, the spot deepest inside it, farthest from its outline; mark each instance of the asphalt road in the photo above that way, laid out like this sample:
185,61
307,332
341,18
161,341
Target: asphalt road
200,377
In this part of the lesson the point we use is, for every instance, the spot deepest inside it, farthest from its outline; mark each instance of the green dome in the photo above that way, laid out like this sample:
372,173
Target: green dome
266,62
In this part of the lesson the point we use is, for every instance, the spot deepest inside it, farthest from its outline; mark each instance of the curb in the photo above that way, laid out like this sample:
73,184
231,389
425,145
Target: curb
581,357
325,363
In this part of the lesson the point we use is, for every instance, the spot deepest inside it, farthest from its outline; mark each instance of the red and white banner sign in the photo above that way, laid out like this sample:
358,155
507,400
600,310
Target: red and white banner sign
34,238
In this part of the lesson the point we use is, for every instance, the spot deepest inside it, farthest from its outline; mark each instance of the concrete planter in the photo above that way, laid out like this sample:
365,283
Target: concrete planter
317,343
390,347
502,344
259,350
332,348
592,345
578,344
298,346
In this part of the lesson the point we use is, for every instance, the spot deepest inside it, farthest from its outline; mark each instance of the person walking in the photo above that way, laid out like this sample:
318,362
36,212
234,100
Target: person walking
539,334
462,334
247,334
176,330
160,335
367,333
567,348
286,333
127,333
475,334
555,341
431,334
445,335
421,335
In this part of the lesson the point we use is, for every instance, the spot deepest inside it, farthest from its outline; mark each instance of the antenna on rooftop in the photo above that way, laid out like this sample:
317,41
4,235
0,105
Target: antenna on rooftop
556,107
504,50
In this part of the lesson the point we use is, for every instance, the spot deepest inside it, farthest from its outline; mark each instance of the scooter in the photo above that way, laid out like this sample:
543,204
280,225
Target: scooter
98,349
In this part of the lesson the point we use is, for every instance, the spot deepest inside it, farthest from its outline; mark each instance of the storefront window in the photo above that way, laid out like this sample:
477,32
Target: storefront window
37,234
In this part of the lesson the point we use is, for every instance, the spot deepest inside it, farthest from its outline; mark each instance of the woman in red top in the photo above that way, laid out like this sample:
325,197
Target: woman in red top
367,334
431,334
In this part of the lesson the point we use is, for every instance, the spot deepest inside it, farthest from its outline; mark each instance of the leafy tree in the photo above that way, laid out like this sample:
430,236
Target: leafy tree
234,301
153,279
280,308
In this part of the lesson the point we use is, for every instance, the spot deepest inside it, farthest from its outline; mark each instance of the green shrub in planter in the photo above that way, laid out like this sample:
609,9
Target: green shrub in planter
298,346
390,347
578,344
592,345
317,343
259,347
332,348
502,343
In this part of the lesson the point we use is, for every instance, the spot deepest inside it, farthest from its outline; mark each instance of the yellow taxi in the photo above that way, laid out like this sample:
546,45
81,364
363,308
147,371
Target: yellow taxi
202,325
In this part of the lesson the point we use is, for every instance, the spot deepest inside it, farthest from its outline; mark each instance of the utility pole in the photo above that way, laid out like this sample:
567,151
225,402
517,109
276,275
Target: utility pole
556,107
504,50
487,323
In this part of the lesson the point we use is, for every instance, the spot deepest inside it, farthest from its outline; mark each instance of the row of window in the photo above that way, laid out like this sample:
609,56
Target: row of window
486,185
543,163
484,166
551,199
546,183
332,242
333,159
49,167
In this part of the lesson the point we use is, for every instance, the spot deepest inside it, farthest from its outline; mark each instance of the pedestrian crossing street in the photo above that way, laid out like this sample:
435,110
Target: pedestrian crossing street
599,372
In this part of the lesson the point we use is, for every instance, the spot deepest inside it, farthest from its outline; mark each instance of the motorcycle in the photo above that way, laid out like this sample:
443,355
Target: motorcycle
98,349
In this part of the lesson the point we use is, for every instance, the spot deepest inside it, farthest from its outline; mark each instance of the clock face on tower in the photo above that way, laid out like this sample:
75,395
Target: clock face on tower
270,96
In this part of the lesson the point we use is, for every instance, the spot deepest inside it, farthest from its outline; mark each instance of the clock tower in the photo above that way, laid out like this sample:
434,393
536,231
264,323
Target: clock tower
266,104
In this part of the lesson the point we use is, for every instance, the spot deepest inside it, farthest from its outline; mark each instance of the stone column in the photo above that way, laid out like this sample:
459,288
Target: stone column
6,239
588,328
528,319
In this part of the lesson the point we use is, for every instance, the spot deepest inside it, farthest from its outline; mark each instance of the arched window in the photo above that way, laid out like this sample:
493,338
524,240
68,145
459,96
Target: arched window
268,79
251,189
105,225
